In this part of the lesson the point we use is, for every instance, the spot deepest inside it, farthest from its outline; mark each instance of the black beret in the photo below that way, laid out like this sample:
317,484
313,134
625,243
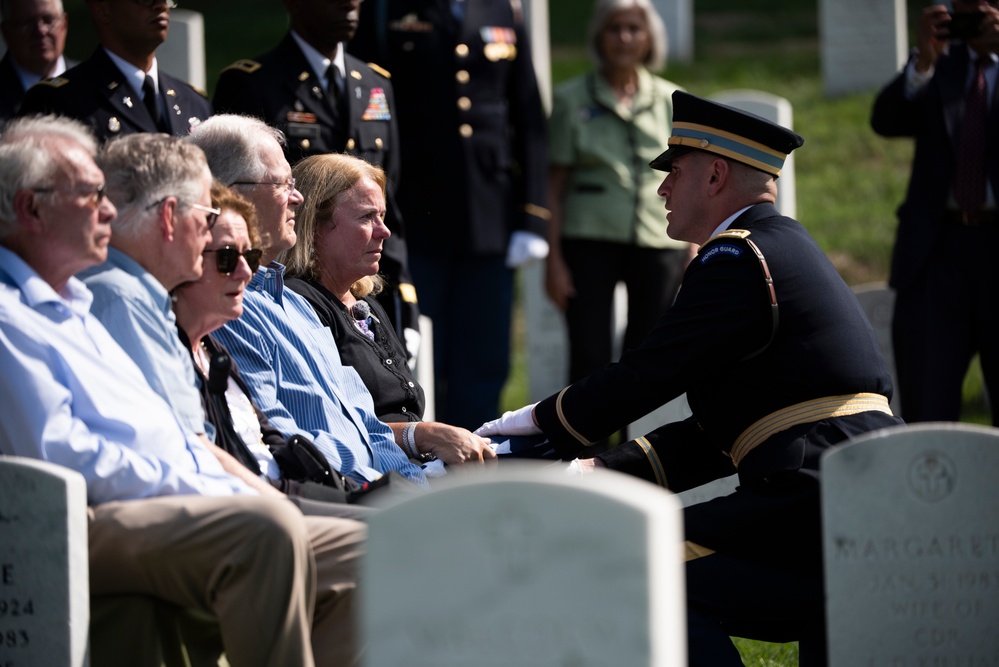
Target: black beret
702,125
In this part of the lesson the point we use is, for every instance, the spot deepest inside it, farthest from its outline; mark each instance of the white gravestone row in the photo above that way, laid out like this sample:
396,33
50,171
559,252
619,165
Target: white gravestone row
525,566
864,43
911,540
44,585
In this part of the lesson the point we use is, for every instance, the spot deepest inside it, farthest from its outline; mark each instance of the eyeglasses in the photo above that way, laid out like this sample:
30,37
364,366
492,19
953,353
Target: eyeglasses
46,23
94,194
211,217
212,214
227,258
289,184
149,4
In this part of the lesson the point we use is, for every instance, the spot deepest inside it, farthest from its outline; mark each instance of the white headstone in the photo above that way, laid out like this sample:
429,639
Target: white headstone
776,110
678,15
911,540
44,576
183,53
424,367
537,20
878,302
545,334
525,566
864,43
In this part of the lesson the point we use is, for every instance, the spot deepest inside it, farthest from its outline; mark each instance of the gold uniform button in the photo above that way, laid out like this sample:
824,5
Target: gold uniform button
305,143
464,103
465,130
378,142
462,76
350,144
461,50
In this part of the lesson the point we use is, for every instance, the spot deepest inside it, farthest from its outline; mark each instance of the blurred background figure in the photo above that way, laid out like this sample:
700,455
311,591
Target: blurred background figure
608,224
334,264
120,89
474,156
35,33
943,270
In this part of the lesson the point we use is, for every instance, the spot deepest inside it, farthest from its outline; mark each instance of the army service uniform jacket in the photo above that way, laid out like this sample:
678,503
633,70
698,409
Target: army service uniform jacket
280,88
470,117
739,359
96,93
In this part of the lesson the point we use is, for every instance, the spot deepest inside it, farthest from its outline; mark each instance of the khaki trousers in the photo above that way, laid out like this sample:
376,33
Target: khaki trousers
281,584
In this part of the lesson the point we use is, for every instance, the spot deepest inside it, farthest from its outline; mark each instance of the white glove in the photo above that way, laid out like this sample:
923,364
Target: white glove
524,247
412,342
517,422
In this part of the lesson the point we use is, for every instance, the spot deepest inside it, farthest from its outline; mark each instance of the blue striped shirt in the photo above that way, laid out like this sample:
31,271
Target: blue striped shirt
290,363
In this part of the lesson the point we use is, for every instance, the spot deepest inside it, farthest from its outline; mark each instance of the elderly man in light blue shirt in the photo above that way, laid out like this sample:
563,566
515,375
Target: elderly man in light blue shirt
165,518
286,356
160,232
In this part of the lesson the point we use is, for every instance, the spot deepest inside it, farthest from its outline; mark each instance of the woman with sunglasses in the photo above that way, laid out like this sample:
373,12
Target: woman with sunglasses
334,265
233,256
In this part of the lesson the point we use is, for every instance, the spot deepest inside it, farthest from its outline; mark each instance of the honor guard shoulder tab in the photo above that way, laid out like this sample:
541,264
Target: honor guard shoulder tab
247,66
55,82
381,70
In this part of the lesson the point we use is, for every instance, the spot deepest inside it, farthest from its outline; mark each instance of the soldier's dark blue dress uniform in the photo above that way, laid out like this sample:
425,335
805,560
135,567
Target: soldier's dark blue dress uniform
474,154
97,93
280,88
778,363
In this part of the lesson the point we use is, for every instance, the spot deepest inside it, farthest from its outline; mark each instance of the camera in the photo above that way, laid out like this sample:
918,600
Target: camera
963,25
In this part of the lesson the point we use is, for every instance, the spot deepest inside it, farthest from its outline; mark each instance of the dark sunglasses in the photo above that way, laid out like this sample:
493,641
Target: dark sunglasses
227,258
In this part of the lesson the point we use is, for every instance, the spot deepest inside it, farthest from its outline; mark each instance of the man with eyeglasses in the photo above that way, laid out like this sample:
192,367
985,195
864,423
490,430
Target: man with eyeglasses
120,89
35,33
943,270
287,358
325,100
166,521
161,186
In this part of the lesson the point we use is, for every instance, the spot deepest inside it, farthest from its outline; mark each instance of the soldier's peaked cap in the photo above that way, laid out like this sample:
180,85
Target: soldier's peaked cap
702,125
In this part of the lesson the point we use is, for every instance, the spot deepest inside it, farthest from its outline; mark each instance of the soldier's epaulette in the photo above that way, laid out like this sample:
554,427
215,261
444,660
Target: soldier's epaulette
199,91
731,234
55,82
716,246
245,65
381,70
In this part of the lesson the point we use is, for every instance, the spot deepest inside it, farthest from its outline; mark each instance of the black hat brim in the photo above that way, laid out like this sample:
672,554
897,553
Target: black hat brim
665,161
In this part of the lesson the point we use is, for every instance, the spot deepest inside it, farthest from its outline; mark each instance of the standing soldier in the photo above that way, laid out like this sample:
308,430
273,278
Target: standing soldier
119,89
474,149
325,100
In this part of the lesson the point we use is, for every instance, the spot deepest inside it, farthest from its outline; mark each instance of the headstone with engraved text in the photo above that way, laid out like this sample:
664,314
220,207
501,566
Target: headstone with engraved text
911,542
44,586
526,566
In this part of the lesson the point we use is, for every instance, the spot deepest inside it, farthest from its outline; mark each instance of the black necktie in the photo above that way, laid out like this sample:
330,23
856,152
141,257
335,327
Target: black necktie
969,180
152,102
336,87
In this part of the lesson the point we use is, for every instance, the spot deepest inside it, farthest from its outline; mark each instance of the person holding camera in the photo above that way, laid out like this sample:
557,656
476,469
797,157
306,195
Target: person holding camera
943,272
